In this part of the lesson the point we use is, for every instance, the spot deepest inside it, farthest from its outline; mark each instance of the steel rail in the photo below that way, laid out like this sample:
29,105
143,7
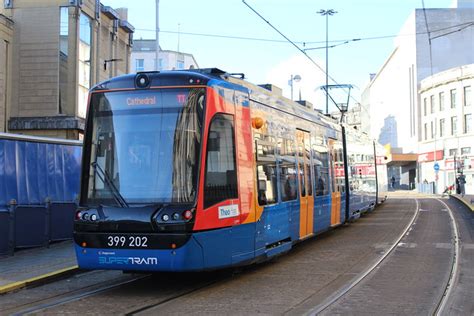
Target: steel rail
174,297
439,310
68,298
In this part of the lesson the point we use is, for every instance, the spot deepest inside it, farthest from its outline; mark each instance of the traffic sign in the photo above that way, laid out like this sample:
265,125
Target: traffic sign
436,166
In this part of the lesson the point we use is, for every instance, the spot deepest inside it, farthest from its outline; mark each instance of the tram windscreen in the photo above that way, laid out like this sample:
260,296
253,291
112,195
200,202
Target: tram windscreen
144,146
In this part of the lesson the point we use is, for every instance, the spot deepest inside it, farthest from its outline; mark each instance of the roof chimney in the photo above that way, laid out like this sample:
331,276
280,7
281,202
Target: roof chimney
306,104
272,88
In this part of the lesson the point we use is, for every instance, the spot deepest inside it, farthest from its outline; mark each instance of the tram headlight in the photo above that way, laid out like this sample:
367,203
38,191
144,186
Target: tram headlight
165,217
176,216
85,216
187,215
142,81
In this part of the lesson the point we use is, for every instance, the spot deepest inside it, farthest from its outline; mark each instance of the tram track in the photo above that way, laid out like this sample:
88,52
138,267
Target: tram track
206,292
455,264
438,309
341,293
59,303
68,297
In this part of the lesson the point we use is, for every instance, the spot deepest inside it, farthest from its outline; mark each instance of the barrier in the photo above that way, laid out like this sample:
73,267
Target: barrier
427,188
39,186
6,246
23,226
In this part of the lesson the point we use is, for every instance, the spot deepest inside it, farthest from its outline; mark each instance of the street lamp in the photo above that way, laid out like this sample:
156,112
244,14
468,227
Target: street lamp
295,78
327,13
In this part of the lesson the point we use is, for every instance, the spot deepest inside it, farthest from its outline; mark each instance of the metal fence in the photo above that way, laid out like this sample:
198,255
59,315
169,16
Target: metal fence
39,186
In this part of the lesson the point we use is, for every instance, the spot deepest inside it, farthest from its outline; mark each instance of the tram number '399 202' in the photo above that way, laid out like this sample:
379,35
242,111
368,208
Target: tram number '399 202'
127,241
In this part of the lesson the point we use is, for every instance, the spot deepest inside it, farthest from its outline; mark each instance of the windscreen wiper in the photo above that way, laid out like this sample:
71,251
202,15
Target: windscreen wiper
104,177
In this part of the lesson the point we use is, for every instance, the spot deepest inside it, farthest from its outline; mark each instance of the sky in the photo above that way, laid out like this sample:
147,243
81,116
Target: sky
267,57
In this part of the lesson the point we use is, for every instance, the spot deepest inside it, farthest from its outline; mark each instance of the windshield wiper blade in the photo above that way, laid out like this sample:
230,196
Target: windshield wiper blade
113,189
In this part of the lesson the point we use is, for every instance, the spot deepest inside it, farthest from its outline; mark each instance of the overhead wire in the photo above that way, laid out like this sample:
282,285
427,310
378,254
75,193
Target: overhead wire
299,49
460,27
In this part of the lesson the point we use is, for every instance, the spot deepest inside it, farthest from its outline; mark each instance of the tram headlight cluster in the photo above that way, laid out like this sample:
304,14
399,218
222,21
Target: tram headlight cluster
176,216
87,215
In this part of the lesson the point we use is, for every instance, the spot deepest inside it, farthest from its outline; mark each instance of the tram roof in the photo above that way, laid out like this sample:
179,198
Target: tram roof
203,76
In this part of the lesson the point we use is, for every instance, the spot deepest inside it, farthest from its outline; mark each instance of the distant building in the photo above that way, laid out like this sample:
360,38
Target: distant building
144,58
388,132
60,49
395,90
448,127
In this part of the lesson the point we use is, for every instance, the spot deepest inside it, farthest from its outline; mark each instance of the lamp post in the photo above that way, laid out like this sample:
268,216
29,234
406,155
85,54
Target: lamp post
293,78
327,13
157,53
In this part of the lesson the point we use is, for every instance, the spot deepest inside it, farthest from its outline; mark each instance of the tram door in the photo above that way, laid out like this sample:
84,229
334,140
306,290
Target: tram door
305,183
337,176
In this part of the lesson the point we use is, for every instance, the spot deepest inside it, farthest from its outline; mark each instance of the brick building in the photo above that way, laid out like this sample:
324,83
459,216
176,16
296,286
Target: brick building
60,49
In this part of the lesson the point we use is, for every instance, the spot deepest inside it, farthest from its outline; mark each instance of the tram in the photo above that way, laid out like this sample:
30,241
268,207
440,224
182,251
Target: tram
199,170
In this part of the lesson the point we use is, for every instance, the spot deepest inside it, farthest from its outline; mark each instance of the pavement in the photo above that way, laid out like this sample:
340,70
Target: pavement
468,200
29,267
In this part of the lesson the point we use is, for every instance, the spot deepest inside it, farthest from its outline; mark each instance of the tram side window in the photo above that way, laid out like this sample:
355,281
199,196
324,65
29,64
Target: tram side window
221,176
288,171
266,173
321,173
342,185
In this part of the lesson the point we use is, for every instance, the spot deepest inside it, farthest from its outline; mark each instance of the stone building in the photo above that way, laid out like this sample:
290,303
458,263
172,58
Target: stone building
60,49
6,33
447,127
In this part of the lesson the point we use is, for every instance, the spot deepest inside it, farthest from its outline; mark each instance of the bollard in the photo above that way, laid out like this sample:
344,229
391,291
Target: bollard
47,223
11,236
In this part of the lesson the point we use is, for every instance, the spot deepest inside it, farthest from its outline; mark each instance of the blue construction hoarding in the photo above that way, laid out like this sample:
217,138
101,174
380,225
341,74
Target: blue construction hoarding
39,187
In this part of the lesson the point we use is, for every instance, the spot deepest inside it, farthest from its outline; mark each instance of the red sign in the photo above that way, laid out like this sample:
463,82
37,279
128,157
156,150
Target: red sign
339,171
430,155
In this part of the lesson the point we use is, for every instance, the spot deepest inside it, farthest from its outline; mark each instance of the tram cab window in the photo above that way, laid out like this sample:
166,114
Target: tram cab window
266,173
288,172
221,176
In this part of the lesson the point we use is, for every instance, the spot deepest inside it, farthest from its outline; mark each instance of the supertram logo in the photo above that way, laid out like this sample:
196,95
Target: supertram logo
128,260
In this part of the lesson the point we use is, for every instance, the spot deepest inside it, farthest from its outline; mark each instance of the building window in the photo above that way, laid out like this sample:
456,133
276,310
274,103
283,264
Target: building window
467,123
453,152
432,130
441,127
161,64
140,65
467,96
432,104
454,125
84,75
465,150
63,57
453,98
441,101
425,107
426,131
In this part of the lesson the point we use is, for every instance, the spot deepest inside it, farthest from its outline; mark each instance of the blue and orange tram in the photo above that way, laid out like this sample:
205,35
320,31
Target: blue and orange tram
196,170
